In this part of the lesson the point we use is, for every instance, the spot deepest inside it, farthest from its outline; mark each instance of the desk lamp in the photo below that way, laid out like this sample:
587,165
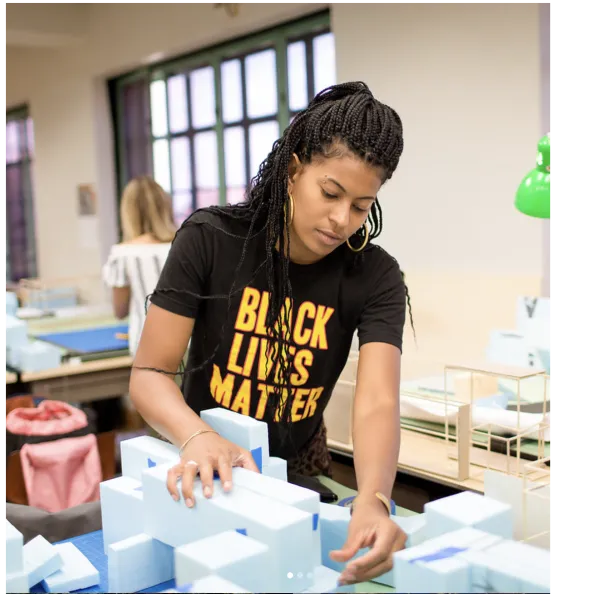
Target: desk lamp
533,195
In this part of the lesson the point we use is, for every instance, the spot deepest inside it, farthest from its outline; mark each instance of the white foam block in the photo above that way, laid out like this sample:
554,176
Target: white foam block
415,529
40,559
229,555
276,468
326,580
143,452
287,493
16,582
122,505
172,522
437,565
212,583
14,549
286,530
333,520
468,509
509,566
246,432
76,572
138,563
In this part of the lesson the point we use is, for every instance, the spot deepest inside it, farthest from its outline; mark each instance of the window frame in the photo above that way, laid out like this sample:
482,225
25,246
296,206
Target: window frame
24,164
277,38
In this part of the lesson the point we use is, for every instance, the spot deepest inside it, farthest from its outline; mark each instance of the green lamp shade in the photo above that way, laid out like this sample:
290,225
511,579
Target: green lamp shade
533,195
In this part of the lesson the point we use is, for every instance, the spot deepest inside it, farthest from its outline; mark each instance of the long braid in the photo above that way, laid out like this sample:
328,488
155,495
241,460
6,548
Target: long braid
344,117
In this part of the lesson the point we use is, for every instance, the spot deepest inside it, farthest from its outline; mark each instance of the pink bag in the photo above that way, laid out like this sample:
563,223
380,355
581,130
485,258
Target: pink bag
58,473
51,417
62,473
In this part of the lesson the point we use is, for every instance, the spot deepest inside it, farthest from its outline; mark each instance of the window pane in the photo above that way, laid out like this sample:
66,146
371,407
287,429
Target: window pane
12,141
158,108
181,166
207,169
207,166
202,84
297,78
262,137
324,61
261,84
178,105
235,165
231,83
182,206
162,169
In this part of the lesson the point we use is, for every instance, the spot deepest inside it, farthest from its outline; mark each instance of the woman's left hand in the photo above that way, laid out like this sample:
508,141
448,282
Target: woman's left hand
370,526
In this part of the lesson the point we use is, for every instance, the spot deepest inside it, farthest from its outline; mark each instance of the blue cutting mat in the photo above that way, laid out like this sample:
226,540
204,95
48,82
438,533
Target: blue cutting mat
92,546
92,340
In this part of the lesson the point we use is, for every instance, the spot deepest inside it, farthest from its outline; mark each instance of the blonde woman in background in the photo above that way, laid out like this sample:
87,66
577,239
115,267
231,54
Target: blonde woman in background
134,266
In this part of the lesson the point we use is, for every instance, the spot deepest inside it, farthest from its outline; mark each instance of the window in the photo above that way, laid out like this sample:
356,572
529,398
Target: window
201,125
20,225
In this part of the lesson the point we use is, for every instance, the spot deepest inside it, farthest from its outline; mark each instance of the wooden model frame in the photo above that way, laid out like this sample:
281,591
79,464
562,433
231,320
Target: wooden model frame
536,485
476,459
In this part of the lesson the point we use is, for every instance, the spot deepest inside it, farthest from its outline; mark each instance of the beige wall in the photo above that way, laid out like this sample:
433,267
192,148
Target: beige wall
465,79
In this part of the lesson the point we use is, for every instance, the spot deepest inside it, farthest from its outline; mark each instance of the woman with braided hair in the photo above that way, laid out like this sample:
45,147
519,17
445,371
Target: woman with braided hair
271,292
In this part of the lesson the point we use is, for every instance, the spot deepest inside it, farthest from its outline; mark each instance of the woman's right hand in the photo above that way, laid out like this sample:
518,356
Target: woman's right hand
204,454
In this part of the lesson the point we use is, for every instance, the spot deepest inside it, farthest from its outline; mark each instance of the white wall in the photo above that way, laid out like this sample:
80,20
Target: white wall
465,79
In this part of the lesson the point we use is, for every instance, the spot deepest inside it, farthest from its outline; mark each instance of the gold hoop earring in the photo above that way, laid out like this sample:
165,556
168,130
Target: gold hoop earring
291,217
364,243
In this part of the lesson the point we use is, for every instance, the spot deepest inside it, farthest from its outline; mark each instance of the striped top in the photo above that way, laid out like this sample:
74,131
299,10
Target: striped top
137,266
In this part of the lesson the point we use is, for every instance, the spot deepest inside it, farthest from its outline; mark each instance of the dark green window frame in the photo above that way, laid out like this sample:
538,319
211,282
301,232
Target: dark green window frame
277,38
20,213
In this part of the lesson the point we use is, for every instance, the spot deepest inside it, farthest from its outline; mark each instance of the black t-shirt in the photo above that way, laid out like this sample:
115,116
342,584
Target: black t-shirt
331,300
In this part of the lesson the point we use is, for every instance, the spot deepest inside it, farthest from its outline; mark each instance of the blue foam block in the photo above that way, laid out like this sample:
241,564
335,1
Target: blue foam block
40,560
144,452
276,468
437,565
90,340
287,493
14,549
244,431
76,572
228,555
122,506
139,562
468,509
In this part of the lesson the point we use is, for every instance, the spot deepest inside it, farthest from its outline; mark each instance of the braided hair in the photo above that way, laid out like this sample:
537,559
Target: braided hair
341,119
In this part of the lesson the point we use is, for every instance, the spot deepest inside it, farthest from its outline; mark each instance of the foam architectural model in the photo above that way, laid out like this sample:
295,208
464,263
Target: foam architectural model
28,355
59,567
265,534
529,344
